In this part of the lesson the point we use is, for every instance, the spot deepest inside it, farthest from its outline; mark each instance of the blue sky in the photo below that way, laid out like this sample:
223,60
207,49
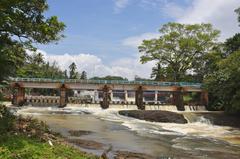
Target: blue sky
105,33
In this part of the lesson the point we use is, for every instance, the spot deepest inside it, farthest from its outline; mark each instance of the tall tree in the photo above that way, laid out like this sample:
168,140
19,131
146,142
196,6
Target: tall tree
180,48
23,23
65,74
233,44
73,71
238,13
83,75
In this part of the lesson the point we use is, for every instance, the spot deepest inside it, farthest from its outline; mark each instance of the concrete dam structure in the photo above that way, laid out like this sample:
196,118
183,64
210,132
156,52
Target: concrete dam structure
137,93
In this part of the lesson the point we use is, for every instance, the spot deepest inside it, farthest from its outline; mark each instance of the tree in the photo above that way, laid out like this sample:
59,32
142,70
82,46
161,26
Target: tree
83,75
224,83
233,44
36,67
180,48
72,71
238,13
23,23
65,74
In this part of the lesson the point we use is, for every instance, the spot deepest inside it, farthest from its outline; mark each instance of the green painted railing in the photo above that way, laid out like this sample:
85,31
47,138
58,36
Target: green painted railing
152,83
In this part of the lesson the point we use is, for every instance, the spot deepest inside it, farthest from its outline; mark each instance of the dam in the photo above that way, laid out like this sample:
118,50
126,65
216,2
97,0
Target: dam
139,93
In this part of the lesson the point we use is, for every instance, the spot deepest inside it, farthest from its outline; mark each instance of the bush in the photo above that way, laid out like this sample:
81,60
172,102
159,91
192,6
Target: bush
6,119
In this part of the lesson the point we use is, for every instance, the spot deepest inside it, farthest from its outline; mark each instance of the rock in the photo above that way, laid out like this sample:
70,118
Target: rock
88,144
155,116
78,133
131,155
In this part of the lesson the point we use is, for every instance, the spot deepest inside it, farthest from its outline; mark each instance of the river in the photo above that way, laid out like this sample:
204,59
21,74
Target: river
197,139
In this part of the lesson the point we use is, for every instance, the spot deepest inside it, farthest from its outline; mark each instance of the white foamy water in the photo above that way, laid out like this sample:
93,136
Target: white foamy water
200,127
197,137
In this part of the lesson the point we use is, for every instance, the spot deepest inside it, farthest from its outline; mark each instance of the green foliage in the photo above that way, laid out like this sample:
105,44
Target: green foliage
180,48
238,13
6,119
223,84
233,44
28,138
73,74
36,67
23,23
83,75
22,147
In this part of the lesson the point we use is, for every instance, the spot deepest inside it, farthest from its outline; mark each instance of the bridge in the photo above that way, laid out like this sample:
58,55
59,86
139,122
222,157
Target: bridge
107,87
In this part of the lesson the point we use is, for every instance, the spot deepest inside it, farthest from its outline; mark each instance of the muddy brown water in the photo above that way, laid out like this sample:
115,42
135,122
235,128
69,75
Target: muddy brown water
113,132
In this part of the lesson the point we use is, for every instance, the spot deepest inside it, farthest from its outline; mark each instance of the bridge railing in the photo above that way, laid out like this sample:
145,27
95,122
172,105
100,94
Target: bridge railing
152,83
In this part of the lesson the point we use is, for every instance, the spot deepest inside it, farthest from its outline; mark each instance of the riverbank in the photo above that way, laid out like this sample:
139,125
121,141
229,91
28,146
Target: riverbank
29,138
155,116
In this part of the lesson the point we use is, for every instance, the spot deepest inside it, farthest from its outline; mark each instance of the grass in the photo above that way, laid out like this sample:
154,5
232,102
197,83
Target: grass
22,147
22,138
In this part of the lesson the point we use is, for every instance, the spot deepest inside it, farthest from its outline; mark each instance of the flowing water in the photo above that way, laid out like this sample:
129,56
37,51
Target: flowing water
197,139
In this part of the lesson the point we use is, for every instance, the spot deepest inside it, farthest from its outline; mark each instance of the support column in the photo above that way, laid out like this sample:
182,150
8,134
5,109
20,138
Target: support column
139,98
204,98
63,96
106,98
125,96
19,96
96,96
111,95
156,97
178,99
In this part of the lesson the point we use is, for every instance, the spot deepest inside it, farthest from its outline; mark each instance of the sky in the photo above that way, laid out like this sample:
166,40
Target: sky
102,36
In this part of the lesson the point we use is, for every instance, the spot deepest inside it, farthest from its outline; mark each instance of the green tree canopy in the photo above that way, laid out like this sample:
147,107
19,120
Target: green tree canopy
233,44
83,75
73,74
238,13
180,48
36,67
22,23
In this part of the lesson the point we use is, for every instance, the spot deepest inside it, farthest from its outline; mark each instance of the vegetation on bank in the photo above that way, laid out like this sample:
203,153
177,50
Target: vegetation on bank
30,139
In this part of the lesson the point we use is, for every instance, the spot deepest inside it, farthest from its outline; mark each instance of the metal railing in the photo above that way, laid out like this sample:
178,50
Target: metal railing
152,83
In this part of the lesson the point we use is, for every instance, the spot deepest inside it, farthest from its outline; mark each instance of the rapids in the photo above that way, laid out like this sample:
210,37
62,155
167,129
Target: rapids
196,139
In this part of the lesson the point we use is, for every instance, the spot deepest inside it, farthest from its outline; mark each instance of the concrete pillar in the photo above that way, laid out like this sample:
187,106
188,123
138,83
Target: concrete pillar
96,96
156,97
178,99
139,98
63,96
204,98
106,98
111,95
125,96
19,96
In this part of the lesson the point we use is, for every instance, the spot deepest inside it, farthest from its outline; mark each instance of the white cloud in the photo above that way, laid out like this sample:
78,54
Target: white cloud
220,13
126,67
135,41
120,4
